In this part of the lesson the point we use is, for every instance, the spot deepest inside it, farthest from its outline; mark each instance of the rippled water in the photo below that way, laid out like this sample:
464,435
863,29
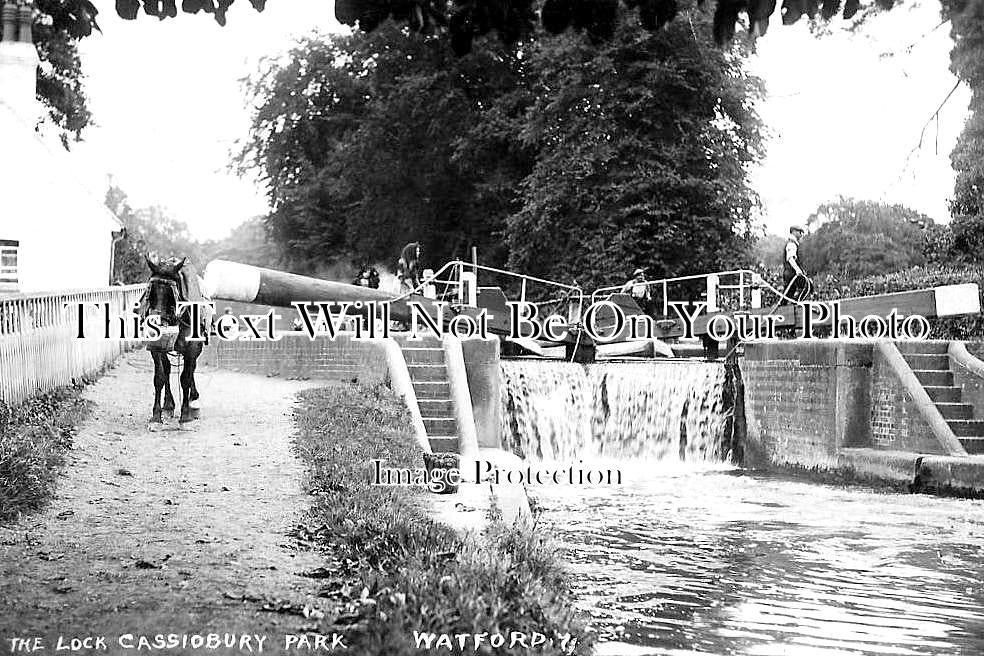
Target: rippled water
689,556
682,560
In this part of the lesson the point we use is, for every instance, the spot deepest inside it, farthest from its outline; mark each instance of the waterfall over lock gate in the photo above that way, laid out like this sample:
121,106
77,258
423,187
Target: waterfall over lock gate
656,411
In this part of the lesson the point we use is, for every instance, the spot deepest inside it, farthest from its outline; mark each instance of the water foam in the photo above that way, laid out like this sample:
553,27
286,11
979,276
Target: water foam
655,411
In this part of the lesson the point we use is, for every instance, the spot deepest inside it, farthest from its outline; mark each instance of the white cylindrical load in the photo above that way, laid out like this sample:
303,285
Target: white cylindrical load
231,281
248,284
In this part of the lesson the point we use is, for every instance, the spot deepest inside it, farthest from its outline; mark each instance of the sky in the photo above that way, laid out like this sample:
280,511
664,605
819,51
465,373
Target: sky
844,111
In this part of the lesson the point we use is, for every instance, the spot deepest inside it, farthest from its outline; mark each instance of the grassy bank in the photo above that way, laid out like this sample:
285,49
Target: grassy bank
393,570
33,439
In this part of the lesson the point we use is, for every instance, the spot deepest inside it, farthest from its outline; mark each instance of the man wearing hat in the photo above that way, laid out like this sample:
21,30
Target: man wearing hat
795,284
639,290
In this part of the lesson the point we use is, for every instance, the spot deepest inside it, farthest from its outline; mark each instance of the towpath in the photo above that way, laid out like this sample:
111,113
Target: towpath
166,531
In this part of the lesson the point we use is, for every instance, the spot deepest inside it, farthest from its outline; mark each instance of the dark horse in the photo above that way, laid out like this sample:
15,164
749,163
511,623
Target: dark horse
171,282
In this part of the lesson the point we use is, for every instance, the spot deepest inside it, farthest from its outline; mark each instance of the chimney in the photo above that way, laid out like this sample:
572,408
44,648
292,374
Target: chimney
18,61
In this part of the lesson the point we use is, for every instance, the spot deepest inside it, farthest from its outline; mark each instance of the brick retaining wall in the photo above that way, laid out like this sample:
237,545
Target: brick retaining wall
805,400
297,356
896,423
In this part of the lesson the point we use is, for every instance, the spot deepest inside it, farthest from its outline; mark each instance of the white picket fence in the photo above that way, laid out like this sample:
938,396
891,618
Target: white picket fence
39,348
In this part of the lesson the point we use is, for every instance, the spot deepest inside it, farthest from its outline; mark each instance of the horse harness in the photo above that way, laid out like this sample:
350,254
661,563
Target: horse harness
169,333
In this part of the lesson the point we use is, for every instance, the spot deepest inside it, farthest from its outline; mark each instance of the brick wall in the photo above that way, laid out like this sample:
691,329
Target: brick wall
896,424
807,399
790,404
296,356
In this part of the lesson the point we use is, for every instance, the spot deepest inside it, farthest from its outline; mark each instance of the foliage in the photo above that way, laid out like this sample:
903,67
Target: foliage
967,236
969,327
369,142
767,253
247,244
967,63
938,244
58,26
462,21
642,146
148,230
33,439
627,155
854,238
396,569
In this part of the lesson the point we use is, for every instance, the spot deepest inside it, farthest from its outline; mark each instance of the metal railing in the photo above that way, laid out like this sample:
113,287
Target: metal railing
39,349
460,287
735,290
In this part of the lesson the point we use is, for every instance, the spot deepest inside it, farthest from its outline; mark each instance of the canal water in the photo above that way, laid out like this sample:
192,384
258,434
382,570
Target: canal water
690,555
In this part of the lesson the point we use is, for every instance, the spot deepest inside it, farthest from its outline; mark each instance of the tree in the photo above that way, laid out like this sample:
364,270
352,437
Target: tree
148,230
465,20
642,147
58,25
367,142
768,252
556,158
967,63
850,239
248,244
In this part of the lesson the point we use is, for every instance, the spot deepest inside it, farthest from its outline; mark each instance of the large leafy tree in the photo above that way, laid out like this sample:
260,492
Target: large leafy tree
850,239
369,142
58,25
464,20
555,157
642,146
967,62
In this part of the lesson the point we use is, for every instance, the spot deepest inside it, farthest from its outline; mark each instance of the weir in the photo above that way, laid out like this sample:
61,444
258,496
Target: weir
657,411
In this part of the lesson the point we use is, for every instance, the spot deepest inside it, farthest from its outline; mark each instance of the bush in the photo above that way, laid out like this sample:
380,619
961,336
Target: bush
964,328
397,570
33,439
968,238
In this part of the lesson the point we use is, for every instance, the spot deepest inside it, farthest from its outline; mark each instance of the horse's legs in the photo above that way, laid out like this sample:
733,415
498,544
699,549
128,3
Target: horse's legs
188,383
159,379
168,397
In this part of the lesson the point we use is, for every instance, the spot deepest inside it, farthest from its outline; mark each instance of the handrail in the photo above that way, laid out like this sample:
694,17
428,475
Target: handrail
757,282
573,290
667,281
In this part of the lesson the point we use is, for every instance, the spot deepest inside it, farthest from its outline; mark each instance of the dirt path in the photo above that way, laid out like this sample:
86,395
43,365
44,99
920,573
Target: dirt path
165,531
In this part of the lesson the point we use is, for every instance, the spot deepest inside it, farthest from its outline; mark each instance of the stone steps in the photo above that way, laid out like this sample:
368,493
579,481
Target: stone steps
935,347
441,426
967,427
931,365
934,378
973,445
445,408
433,389
948,394
429,375
956,410
444,444
423,355
928,362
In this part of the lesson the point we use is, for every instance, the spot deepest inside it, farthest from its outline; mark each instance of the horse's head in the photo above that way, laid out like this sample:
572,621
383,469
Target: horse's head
162,289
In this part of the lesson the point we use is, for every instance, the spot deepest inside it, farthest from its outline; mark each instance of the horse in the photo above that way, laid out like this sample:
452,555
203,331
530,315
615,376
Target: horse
171,282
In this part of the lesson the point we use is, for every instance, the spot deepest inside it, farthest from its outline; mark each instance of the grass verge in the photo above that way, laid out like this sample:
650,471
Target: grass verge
392,570
34,436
